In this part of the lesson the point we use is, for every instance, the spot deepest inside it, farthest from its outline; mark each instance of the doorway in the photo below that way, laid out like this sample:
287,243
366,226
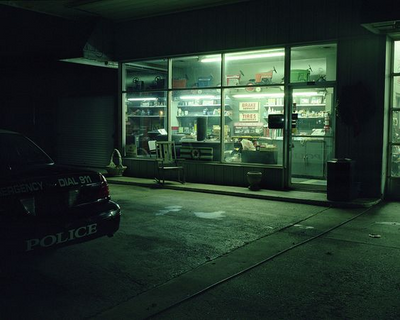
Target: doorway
311,141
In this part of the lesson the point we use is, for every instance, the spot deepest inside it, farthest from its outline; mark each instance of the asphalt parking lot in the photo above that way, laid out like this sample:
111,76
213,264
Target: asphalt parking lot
173,245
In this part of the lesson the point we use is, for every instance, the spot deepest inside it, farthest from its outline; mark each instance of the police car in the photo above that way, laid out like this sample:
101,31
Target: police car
44,205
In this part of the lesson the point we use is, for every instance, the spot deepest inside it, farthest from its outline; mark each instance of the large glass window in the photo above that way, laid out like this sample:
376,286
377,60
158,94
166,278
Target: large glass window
312,133
396,58
146,75
252,138
146,120
196,72
254,68
313,63
395,113
396,91
226,107
145,105
396,126
196,123
257,77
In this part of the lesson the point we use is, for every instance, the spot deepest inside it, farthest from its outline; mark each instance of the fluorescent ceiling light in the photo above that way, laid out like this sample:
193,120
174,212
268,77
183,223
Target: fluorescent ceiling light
259,95
276,95
308,94
142,99
245,56
197,97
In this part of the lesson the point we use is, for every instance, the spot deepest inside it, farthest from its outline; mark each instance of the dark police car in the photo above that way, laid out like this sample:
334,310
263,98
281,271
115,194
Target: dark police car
44,205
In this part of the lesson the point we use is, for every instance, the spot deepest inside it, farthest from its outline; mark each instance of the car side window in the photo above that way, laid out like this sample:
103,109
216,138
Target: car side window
17,150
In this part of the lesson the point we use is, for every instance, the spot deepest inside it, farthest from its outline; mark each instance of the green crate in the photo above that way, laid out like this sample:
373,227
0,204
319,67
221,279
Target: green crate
299,75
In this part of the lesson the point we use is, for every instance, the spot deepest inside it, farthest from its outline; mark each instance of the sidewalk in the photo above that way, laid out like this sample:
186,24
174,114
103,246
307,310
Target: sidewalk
336,264
297,196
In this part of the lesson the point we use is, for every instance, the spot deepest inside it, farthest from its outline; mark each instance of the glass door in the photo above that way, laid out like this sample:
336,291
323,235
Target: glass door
312,136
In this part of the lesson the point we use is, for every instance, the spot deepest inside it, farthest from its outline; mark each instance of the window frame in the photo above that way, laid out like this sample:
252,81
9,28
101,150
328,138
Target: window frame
392,110
170,89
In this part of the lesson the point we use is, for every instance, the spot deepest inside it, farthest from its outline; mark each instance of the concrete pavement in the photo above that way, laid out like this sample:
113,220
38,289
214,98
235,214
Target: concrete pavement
297,196
349,272
338,264
198,255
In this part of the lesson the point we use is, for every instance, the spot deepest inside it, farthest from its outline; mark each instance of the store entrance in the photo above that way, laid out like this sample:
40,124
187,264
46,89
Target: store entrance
312,137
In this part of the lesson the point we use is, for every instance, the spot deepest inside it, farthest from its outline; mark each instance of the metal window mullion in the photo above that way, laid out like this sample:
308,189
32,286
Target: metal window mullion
169,99
288,118
222,113
122,108
391,110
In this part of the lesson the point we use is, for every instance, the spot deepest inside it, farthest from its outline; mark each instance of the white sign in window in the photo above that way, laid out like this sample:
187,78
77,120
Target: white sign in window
249,106
248,117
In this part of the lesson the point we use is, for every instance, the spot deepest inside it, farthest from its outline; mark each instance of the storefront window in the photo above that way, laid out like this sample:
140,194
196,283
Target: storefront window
252,138
313,63
396,126
146,120
395,113
146,75
314,110
396,60
145,104
395,167
312,133
195,123
196,72
396,92
237,117
254,68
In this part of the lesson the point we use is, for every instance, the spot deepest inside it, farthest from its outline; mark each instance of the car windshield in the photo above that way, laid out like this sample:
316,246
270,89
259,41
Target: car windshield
17,151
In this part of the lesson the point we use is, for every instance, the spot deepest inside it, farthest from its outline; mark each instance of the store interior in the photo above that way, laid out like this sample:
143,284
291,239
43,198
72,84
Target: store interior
237,117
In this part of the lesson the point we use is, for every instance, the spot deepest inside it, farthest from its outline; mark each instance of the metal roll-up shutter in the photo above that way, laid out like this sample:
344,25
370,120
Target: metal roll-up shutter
85,130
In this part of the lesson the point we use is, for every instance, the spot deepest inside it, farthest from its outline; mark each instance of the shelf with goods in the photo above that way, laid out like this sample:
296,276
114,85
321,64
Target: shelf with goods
146,111
148,115
186,113
272,109
311,112
203,111
309,104
313,116
144,120
203,116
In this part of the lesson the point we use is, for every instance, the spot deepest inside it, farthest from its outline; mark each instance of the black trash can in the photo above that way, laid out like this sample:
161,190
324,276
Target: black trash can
340,180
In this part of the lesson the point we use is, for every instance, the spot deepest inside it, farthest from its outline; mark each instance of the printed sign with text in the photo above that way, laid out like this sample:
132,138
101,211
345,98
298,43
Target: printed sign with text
248,117
248,106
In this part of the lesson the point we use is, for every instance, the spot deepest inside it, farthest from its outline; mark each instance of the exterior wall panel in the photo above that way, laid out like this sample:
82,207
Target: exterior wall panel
85,135
363,60
213,173
242,25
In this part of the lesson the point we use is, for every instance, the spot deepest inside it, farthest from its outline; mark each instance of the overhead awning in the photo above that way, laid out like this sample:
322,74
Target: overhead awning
391,28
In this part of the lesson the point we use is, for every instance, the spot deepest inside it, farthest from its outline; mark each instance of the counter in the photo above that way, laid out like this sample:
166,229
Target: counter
203,150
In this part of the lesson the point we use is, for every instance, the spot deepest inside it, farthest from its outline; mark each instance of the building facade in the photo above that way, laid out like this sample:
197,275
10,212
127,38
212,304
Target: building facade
278,87
281,87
